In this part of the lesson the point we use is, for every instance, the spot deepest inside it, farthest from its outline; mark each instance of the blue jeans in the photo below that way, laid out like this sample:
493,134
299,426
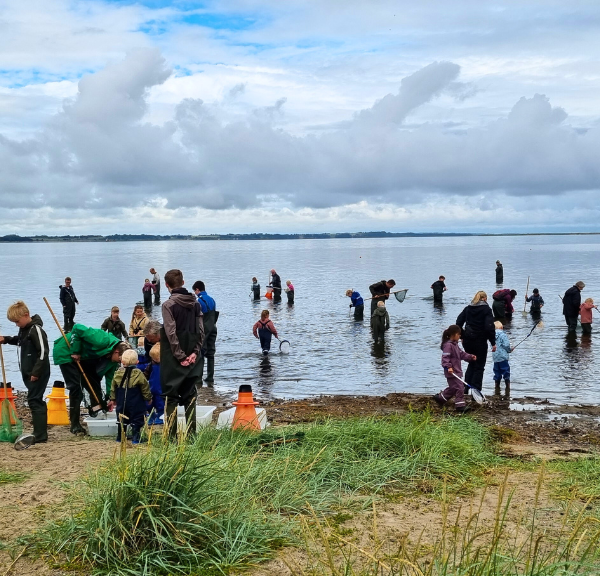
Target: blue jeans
501,370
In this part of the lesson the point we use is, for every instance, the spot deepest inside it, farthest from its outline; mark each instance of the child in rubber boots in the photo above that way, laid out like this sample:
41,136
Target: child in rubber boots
264,329
452,355
380,322
153,374
34,363
500,357
130,393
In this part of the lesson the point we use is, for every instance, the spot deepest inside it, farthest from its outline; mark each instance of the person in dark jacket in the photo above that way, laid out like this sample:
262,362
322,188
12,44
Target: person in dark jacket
181,341
210,315
380,322
255,288
439,288
114,324
499,272
478,322
572,304
380,291
502,303
35,363
68,300
537,302
357,303
276,285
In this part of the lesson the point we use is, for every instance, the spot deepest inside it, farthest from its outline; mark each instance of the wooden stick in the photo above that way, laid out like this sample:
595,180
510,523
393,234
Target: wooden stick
526,292
77,361
3,373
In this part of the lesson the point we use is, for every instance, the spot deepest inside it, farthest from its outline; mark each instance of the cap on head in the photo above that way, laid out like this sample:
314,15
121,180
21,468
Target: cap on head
580,285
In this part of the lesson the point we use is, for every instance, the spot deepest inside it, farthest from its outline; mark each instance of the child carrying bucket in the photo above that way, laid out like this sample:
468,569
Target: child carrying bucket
264,329
452,355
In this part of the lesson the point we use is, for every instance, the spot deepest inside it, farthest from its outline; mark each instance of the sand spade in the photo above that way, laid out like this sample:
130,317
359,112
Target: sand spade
10,426
475,394
526,293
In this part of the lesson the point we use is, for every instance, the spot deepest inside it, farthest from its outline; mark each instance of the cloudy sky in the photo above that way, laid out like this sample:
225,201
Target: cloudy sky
299,116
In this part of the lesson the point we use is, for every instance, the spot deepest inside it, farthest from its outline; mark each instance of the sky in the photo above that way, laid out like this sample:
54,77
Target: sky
184,117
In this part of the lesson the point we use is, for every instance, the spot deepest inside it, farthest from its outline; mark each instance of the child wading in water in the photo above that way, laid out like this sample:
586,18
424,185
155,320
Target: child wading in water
585,311
380,322
264,329
289,290
537,302
500,357
129,393
452,355
357,303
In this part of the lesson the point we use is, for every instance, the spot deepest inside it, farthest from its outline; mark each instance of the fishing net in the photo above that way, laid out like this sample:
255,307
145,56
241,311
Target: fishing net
400,295
477,396
10,426
284,347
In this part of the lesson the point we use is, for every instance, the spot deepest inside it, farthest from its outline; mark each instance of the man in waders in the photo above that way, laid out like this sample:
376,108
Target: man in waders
380,291
210,315
439,288
181,340
499,272
572,304
156,282
99,354
68,300
276,285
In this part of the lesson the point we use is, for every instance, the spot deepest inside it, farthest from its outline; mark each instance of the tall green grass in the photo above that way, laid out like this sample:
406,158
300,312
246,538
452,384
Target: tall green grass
227,499
579,478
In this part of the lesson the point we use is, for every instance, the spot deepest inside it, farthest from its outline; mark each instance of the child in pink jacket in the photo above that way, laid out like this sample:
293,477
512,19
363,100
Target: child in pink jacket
585,311
452,355
263,330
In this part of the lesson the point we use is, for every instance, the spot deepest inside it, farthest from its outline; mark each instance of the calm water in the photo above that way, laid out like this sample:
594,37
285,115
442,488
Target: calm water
332,354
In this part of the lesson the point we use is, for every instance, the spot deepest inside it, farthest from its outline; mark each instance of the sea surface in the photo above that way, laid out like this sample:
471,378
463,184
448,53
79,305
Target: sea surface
330,352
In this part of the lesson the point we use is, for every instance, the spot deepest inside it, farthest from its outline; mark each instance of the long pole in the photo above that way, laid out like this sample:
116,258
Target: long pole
3,373
526,292
382,295
77,361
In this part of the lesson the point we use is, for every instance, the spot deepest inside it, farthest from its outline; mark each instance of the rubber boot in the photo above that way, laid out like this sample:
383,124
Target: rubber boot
210,369
74,416
497,387
190,415
507,387
40,426
171,417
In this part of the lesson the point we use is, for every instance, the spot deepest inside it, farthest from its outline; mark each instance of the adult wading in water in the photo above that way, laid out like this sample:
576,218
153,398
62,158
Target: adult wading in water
210,315
276,285
156,282
68,300
380,291
572,304
502,304
99,354
478,322
499,272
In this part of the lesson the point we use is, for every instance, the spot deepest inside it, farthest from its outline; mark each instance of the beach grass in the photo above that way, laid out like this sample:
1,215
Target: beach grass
579,479
228,499
10,477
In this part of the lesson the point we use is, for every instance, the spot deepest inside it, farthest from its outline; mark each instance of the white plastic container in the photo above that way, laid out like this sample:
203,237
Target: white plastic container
204,416
106,416
104,427
226,418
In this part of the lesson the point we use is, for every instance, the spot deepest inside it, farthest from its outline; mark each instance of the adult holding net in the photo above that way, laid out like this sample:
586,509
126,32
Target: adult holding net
478,321
380,291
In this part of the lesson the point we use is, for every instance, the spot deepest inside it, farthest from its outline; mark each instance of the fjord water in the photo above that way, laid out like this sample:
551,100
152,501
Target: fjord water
332,354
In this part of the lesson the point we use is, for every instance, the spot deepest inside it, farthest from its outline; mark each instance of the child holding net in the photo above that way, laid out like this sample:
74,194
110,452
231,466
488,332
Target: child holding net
452,356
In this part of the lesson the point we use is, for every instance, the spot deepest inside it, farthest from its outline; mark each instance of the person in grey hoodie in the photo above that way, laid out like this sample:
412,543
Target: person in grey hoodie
380,322
181,340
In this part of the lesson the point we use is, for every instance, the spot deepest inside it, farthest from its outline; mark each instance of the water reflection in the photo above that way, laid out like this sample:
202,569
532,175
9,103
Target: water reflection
381,355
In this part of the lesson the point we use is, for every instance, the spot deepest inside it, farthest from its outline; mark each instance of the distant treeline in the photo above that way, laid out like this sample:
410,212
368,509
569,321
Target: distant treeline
157,237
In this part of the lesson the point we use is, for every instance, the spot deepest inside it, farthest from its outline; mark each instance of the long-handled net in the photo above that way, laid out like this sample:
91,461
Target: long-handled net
476,394
400,295
10,425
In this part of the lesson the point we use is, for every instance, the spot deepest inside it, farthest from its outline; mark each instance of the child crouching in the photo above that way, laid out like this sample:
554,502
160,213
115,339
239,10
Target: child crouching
130,393
452,354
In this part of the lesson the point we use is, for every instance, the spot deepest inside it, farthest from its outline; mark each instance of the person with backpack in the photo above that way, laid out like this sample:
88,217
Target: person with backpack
210,315
502,304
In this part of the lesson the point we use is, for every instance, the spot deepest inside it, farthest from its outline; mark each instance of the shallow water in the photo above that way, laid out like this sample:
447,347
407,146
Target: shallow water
332,354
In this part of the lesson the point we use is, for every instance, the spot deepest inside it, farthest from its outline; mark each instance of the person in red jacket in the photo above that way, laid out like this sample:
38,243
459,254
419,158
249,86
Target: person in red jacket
502,304
585,311
264,329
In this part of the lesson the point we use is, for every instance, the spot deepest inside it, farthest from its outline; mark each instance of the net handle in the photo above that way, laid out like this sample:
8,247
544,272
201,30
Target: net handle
4,383
382,295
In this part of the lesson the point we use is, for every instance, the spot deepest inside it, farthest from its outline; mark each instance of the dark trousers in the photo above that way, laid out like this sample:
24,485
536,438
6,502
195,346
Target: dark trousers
475,370
276,294
290,296
502,370
69,317
39,411
587,328
265,337
208,354
157,295
571,323
359,312
374,305
147,299
75,383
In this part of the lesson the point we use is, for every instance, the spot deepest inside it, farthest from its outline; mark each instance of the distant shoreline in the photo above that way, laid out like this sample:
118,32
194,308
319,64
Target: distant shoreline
15,238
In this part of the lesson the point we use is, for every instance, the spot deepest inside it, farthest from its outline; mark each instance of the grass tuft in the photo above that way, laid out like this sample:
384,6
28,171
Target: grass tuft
10,477
579,478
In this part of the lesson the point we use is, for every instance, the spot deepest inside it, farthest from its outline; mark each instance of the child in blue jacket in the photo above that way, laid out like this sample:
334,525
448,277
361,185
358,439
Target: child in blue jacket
357,303
500,357
157,408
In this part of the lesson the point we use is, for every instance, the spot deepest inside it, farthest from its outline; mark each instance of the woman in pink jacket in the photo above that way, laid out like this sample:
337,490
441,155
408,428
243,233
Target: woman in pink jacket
452,355
585,311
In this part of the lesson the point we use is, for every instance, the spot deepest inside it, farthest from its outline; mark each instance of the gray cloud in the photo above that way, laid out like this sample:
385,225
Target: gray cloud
101,152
